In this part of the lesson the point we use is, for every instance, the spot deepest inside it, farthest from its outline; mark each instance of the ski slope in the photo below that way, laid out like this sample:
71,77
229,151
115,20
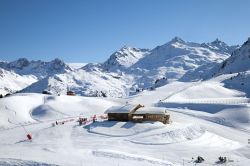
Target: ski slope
207,129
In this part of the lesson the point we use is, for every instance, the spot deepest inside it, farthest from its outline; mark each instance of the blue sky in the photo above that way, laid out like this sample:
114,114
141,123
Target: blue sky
91,30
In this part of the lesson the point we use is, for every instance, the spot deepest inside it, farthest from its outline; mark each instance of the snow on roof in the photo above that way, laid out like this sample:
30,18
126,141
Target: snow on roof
151,110
120,109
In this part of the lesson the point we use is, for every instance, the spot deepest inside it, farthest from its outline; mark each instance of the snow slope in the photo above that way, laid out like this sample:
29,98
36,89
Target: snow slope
11,82
207,129
21,73
235,69
239,61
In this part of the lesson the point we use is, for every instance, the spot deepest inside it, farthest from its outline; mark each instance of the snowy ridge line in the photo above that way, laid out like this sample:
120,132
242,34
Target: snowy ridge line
235,100
126,156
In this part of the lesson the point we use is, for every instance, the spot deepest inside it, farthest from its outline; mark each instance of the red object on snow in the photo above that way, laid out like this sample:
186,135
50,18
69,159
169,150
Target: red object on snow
29,137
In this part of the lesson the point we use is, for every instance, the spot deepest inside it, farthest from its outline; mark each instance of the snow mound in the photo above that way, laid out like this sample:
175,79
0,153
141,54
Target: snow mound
212,140
46,112
170,134
215,89
122,129
18,113
33,108
153,133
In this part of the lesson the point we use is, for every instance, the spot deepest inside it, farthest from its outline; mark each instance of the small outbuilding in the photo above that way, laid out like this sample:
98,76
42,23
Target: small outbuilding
71,93
137,113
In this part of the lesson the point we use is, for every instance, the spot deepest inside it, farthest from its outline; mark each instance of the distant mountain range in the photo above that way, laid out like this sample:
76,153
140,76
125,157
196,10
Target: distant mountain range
128,70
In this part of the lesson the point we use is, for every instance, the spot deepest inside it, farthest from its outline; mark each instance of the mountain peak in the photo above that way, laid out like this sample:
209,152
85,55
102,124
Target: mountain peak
20,63
124,58
57,61
177,39
218,42
125,47
247,42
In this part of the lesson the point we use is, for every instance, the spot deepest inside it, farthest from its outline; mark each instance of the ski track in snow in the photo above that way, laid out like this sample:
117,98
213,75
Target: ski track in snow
126,156
18,162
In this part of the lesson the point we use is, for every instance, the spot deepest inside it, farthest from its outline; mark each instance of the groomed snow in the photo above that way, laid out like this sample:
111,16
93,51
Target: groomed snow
206,129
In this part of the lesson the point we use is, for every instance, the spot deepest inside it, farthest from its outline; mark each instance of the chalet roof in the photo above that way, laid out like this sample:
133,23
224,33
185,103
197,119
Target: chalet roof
150,110
121,109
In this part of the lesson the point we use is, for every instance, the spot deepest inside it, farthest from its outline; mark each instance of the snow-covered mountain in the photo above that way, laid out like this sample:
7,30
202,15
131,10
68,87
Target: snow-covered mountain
220,46
39,68
237,67
21,73
176,57
235,70
239,61
11,82
86,83
173,60
201,72
127,71
124,58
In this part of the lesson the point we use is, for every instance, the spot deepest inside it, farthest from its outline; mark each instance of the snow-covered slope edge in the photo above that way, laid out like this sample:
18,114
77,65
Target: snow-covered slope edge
11,82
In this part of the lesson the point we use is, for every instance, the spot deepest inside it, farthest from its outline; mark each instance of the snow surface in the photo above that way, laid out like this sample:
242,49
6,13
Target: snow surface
11,82
210,117
192,132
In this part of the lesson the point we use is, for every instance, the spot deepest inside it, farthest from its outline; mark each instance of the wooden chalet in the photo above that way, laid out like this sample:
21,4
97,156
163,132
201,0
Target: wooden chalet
137,113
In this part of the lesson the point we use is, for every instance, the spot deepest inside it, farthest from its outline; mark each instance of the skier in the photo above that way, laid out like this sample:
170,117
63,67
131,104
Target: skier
29,137
94,118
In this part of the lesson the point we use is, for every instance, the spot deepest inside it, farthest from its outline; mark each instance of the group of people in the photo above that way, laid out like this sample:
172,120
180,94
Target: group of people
201,159
83,121
222,159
